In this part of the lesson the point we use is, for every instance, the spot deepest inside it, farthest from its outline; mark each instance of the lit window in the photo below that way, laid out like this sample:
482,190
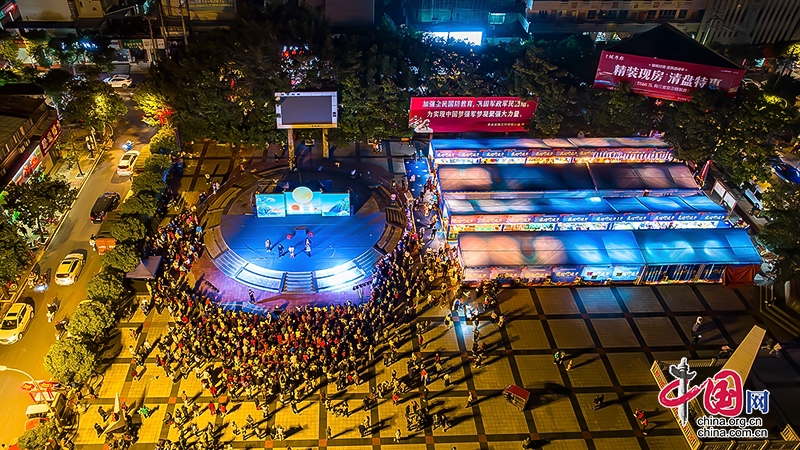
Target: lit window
591,14
682,14
497,18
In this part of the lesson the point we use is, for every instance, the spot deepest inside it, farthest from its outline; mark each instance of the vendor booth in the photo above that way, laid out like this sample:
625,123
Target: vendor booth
571,214
549,151
566,180
603,257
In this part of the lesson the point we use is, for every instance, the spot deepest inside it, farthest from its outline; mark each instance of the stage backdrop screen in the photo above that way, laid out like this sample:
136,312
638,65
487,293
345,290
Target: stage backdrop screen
464,114
306,109
270,205
303,200
660,78
336,204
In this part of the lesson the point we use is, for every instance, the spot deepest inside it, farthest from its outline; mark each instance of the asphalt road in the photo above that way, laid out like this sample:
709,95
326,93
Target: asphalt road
28,354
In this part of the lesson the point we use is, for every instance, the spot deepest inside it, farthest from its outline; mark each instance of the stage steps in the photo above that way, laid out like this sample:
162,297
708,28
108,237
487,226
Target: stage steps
229,263
395,216
299,282
368,259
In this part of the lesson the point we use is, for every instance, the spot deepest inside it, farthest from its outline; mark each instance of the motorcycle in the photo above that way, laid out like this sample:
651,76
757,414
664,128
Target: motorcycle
52,308
61,328
42,282
128,145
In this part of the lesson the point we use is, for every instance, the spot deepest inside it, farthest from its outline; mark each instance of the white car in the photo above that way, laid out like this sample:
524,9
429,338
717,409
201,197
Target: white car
14,324
69,269
119,81
126,163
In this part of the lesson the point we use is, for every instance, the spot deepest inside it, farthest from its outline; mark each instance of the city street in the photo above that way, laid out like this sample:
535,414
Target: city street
74,233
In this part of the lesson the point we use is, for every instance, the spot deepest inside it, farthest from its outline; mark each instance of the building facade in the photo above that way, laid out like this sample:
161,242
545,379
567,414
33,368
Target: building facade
751,22
604,19
498,20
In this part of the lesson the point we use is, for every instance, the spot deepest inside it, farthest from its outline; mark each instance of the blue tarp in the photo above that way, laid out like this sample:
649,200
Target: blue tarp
566,177
730,246
588,205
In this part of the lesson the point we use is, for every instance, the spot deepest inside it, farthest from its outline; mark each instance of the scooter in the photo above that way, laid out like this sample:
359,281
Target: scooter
51,311
61,328
128,145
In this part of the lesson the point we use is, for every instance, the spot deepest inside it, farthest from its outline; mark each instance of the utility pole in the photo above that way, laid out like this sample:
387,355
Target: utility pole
163,28
183,24
152,38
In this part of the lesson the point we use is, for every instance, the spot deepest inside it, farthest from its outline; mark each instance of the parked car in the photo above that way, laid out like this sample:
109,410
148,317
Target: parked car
105,203
786,172
119,81
69,269
126,163
15,322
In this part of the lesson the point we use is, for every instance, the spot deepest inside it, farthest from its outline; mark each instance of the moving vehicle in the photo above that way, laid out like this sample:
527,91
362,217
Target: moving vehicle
105,203
69,269
119,81
15,322
126,163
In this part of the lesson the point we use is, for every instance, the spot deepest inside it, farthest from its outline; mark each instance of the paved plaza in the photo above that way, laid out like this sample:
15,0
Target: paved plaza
612,335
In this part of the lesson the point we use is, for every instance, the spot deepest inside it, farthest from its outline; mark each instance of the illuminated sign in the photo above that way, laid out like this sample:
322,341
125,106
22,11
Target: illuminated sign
659,78
270,205
465,114
50,136
306,110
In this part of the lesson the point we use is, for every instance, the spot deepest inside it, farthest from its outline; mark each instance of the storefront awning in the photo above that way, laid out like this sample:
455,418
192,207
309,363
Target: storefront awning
588,205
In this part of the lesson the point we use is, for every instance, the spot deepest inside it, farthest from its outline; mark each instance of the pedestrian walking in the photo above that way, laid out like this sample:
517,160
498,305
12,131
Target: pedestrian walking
98,429
395,398
294,408
362,430
102,412
470,399
501,321
644,423
268,245
222,409
776,349
695,339
697,324
446,378
185,398
280,250
397,435
569,365
329,432
252,296
598,401
556,357
421,340
235,428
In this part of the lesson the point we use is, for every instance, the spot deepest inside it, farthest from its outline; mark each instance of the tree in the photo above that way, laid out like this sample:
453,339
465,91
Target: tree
36,47
157,164
40,198
148,182
779,235
93,103
128,230
694,128
14,252
71,50
39,437
9,50
164,141
90,320
536,78
107,285
141,204
70,361
124,258
55,84
620,112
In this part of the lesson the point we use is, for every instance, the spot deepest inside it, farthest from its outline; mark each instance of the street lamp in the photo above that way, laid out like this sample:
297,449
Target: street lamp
35,383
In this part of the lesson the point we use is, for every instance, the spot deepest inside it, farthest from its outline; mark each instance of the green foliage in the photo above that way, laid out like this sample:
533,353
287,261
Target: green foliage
14,252
8,48
39,437
620,112
36,47
151,103
141,204
534,78
71,50
128,230
70,360
90,320
42,197
124,258
780,235
148,182
93,102
158,164
106,286
164,142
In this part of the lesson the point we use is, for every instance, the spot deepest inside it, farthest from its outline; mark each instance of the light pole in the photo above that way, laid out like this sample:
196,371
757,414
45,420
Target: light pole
35,383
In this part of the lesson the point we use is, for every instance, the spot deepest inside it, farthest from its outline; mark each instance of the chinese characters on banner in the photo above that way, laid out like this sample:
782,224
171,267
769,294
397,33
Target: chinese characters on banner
463,114
50,136
659,78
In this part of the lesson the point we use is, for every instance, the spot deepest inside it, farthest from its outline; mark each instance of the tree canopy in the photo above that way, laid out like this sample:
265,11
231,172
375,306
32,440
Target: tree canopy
90,320
39,437
70,360
123,257
106,286
93,103
128,230
14,252
40,198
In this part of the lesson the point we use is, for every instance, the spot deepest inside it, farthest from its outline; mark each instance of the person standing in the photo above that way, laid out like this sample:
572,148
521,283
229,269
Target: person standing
446,378
397,435
329,432
268,245
252,296
569,365
470,399
291,251
280,250
697,324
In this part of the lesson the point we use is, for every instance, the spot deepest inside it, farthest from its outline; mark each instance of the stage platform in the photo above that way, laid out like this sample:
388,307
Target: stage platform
344,249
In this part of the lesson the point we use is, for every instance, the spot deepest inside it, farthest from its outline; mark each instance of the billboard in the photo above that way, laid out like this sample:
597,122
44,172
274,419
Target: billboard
464,114
665,79
306,109
270,205
303,200
335,204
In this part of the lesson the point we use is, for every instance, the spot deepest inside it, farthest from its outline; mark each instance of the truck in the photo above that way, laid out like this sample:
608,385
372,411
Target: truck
104,240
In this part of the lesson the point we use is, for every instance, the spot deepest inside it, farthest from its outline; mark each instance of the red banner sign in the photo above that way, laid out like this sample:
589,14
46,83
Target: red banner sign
660,78
463,114
49,137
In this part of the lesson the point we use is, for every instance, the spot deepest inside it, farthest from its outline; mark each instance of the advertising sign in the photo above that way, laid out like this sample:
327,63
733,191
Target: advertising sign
306,110
465,114
270,205
596,273
659,78
50,136
626,273
335,204
303,200
565,274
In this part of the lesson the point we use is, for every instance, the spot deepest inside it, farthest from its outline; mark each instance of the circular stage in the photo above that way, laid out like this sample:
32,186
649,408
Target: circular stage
344,249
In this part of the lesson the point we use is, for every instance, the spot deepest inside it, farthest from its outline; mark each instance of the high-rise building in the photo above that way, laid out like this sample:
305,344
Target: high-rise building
605,18
499,20
749,21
